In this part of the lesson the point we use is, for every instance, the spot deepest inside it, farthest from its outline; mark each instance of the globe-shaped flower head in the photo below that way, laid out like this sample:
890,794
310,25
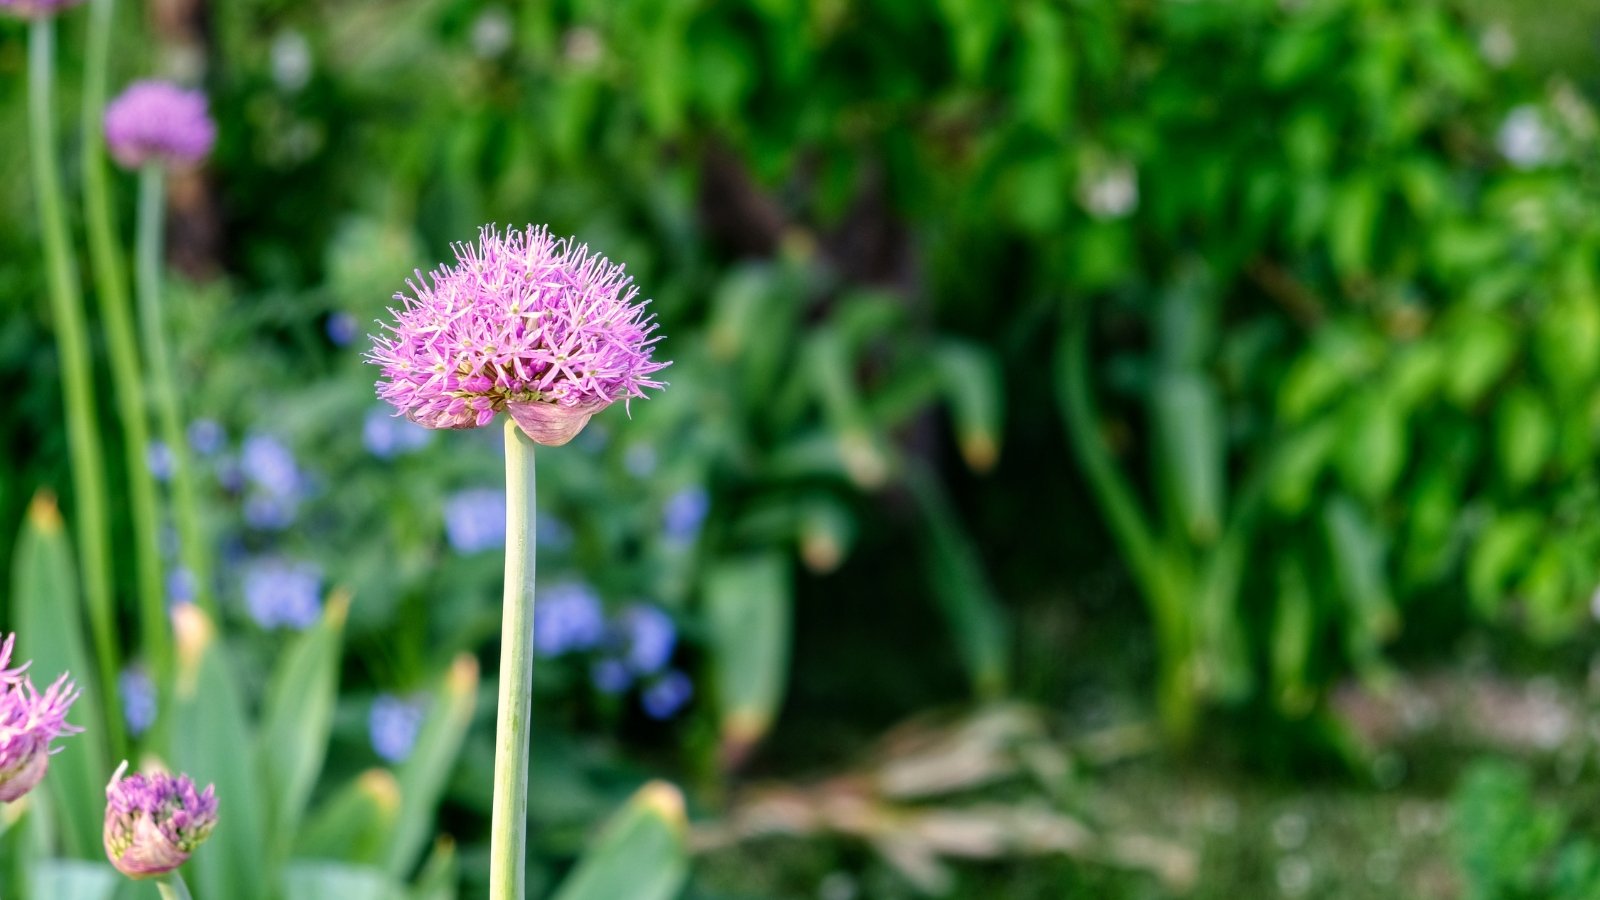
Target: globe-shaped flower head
159,122
29,722
524,323
153,822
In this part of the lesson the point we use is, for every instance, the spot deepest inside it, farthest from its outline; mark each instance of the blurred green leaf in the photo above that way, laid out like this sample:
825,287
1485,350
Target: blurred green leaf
75,879
296,718
355,825
426,771
1525,434
212,743
973,388
1191,446
48,615
333,881
641,855
749,615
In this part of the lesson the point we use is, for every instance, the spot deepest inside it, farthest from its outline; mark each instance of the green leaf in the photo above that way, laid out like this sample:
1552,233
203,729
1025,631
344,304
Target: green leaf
1357,548
959,584
1480,350
970,376
439,875
641,855
355,824
1525,436
1504,544
213,744
333,881
1353,221
1191,446
425,772
296,719
75,879
1293,633
749,613
1372,451
48,614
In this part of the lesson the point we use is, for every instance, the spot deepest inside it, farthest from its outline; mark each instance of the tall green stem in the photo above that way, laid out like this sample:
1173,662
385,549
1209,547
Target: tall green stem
86,457
508,830
111,288
172,887
169,416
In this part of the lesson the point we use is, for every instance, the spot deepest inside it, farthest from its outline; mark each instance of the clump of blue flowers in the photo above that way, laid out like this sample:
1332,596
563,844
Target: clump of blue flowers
283,593
393,725
475,519
633,648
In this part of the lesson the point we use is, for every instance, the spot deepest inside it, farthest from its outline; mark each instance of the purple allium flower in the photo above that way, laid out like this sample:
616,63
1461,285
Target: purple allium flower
566,618
35,9
666,695
29,721
153,822
341,328
648,638
610,675
475,519
138,695
158,459
282,593
523,322
206,436
393,725
159,122
269,464
684,513
10,677
386,435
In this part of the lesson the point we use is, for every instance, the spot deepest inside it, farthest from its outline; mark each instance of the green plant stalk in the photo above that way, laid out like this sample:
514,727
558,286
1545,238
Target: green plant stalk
111,288
86,456
1163,586
169,416
509,827
172,887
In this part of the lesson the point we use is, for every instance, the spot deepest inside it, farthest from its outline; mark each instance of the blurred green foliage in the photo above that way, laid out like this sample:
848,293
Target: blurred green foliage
1311,285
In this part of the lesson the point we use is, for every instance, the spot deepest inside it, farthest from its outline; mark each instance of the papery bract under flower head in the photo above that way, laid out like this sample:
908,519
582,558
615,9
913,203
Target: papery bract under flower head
155,121
153,822
524,323
29,721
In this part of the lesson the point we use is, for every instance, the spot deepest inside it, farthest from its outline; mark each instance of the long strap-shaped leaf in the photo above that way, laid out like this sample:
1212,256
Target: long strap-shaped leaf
641,855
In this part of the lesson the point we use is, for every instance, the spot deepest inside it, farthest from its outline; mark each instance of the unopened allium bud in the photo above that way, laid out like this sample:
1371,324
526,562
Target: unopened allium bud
153,822
29,722
159,122
523,323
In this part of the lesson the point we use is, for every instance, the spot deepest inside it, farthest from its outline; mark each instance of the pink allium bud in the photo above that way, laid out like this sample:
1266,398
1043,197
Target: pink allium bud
29,722
153,822
34,9
525,323
155,121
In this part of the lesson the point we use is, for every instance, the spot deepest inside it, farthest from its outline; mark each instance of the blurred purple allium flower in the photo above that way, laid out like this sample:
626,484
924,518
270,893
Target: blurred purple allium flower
34,9
29,721
158,459
523,322
475,519
666,695
610,675
138,695
567,617
159,122
341,328
393,725
684,513
269,464
386,435
283,593
206,436
647,637
153,822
